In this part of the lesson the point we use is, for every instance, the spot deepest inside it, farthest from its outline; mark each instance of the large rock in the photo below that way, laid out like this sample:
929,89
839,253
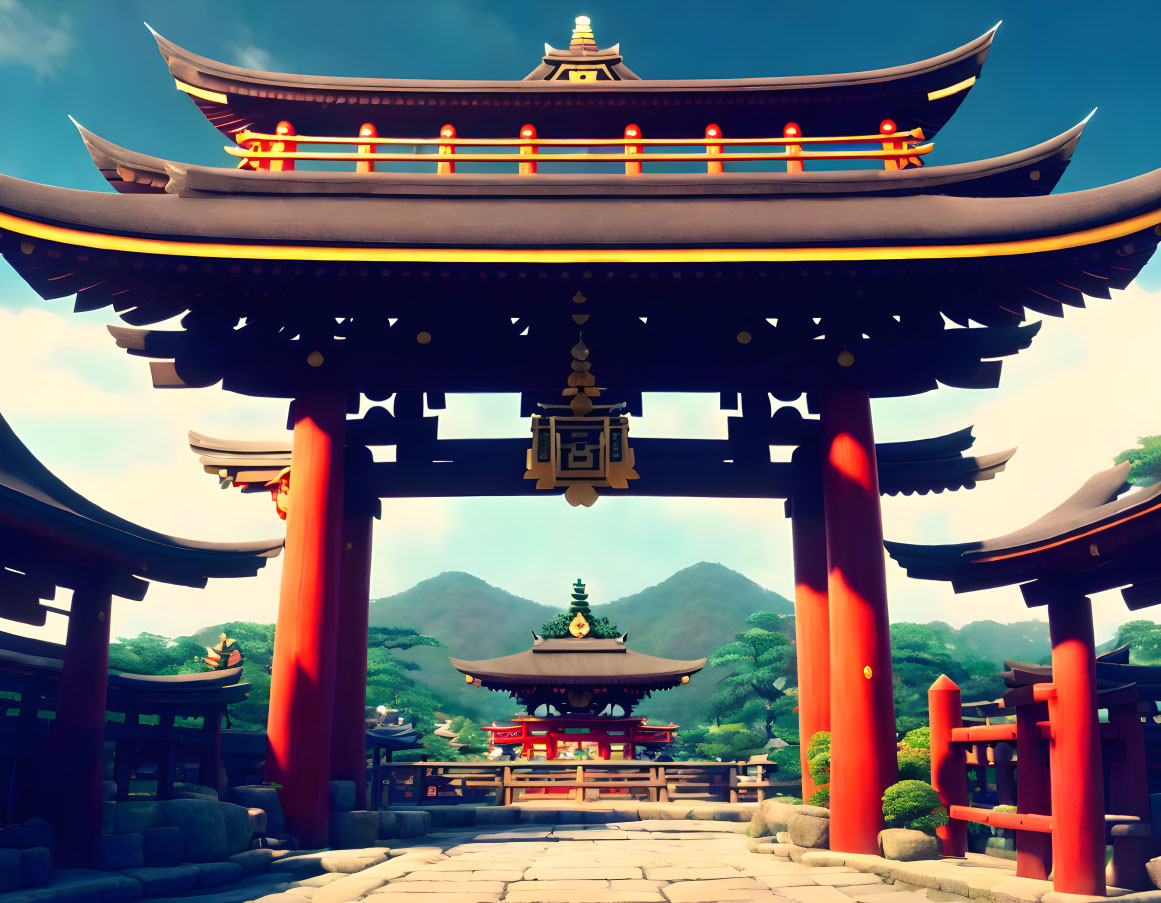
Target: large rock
351,830
259,821
261,796
203,828
404,823
35,867
133,817
1153,867
809,829
10,869
771,817
905,845
157,882
342,796
239,828
163,846
116,852
215,874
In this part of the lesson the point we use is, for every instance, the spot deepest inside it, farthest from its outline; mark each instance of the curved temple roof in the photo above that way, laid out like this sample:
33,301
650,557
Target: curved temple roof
1100,538
923,94
1033,171
48,530
579,662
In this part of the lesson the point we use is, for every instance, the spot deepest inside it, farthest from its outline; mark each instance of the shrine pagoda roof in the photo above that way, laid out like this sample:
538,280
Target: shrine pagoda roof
1100,538
692,223
1032,171
579,662
923,94
49,532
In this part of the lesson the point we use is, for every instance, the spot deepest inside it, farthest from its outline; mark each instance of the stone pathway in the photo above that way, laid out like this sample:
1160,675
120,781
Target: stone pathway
629,862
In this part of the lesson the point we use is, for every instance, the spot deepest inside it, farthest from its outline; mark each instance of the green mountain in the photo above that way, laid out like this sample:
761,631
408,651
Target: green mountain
686,616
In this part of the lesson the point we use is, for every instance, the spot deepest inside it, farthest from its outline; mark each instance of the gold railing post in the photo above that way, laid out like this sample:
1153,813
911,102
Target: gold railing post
366,130
791,130
633,167
528,150
283,128
714,167
448,168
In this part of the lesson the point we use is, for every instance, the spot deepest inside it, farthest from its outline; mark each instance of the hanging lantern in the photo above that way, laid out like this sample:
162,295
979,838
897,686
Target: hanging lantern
585,446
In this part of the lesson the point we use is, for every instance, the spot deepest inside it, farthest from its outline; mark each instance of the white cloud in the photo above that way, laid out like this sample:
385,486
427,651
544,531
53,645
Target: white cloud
27,40
1084,391
247,54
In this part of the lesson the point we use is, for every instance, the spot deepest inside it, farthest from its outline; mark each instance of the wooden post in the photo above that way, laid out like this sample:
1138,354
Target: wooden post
528,150
507,787
282,147
579,796
377,778
791,130
348,725
446,150
948,767
633,167
367,130
811,622
76,748
210,759
1033,792
862,746
1078,795
714,167
1129,795
303,679
167,756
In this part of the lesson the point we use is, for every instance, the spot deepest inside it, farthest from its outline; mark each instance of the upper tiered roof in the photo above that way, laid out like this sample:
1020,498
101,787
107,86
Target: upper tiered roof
582,89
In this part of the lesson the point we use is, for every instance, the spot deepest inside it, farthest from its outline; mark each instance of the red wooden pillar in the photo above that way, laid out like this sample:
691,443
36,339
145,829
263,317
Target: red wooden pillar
862,711
76,749
948,767
303,679
811,624
1033,792
1078,794
348,728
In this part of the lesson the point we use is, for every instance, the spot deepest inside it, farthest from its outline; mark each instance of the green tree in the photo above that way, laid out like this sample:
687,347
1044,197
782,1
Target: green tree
151,653
922,652
1145,639
1144,461
472,740
762,664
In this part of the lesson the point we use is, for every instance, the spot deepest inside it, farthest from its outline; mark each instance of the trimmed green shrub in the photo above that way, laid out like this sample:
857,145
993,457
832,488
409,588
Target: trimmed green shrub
920,738
914,764
1003,808
820,797
820,768
914,805
819,742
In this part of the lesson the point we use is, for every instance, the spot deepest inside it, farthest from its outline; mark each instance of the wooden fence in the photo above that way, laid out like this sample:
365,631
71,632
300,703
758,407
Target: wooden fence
424,783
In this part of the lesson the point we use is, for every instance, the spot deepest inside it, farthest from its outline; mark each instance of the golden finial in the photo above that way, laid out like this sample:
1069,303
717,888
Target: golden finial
582,35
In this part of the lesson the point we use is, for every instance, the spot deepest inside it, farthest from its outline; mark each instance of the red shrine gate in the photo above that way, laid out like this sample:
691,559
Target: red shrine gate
771,284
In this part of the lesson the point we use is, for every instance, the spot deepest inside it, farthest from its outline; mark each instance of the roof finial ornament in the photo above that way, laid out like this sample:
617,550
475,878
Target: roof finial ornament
582,36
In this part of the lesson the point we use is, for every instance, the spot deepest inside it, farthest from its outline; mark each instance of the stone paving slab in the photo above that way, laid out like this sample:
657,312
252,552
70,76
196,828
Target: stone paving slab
720,890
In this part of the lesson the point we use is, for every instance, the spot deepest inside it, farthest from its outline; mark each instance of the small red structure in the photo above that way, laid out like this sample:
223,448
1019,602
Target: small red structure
1096,540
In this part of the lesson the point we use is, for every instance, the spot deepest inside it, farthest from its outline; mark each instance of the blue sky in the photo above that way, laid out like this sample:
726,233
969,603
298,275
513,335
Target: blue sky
90,414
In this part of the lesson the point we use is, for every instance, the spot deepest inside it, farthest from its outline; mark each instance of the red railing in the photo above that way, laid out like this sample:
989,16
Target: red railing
279,152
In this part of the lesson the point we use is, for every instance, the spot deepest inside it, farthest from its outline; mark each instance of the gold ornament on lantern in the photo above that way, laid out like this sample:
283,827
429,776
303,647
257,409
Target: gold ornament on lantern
586,446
